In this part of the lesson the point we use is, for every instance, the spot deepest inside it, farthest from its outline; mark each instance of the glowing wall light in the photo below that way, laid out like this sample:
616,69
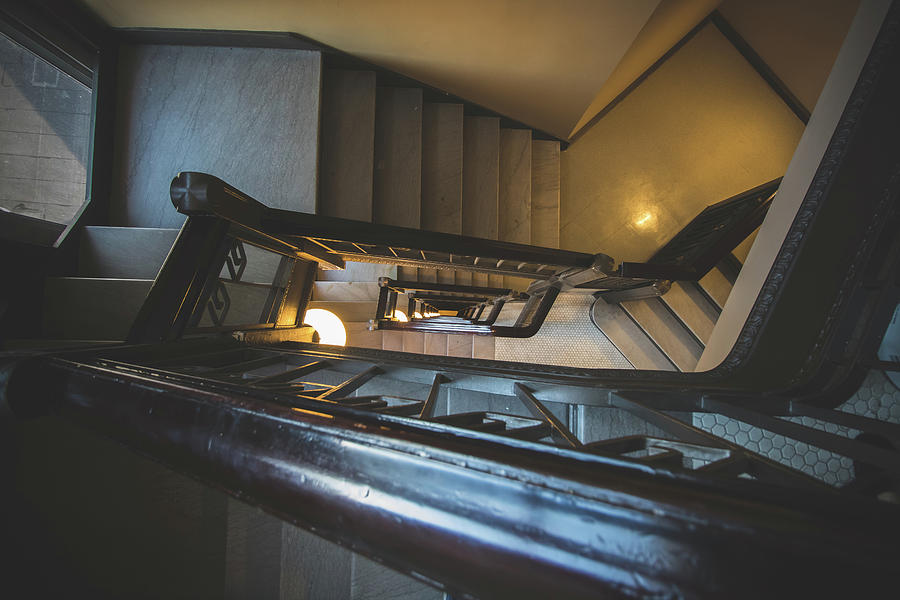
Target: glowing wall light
328,325
401,316
417,315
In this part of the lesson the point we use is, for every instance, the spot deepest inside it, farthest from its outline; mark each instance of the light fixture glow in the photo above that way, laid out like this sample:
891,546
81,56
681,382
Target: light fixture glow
644,220
401,316
417,315
328,325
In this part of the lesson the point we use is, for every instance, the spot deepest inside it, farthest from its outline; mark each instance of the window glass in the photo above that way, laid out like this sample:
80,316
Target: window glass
44,130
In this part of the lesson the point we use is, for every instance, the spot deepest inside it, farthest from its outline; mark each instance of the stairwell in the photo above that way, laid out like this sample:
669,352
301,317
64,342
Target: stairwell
388,156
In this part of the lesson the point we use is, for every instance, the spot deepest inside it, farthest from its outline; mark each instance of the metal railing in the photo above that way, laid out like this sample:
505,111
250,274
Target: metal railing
479,504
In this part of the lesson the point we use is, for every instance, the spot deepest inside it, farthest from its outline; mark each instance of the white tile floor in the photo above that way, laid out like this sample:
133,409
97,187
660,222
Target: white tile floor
876,398
569,319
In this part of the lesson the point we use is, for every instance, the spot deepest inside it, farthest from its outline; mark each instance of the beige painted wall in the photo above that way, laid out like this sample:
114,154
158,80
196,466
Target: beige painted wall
703,127
537,61
670,22
798,39
797,180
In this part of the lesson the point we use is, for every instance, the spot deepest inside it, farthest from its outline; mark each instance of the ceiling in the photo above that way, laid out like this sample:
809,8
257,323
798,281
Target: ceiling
539,62
552,65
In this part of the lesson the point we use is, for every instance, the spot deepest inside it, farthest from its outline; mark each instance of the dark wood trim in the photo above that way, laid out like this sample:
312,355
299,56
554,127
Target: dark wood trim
332,59
756,61
640,79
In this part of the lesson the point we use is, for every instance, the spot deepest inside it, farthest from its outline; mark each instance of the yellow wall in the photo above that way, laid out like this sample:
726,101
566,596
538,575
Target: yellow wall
670,22
538,61
703,127
799,40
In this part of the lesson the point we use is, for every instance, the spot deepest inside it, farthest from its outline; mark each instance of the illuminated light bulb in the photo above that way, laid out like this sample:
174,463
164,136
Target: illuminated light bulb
417,315
328,325
401,316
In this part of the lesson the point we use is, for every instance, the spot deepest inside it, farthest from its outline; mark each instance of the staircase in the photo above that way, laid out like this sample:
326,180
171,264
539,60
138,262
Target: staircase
389,157
392,158
669,333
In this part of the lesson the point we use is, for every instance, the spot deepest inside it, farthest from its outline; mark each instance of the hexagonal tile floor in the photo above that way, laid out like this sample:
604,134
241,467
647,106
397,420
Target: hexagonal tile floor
876,398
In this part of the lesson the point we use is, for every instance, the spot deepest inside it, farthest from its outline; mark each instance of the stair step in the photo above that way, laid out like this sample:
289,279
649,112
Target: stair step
483,347
545,193
460,346
743,249
514,207
340,291
413,341
392,340
629,338
666,331
359,336
481,180
436,343
346,144
717,286
407,273
442,167
348,311
398,157
693,308
91,308
360,272
463,277
104,308
123,252
427,275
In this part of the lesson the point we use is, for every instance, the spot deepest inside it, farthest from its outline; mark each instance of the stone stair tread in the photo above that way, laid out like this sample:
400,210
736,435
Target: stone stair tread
481,184
436,343
442,167
717,286
111,251
460,345
413,341
743,249
392,340
359,272
514,204
346,147
397,179
666,331
345,290
483,347
693,308
91,308
545,193
359,336
628,337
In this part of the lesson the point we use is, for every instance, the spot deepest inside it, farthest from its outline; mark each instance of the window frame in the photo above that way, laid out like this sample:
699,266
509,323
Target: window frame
74,42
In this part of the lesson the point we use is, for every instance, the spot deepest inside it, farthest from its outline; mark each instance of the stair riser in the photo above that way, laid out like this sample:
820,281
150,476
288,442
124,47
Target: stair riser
104,309
123,252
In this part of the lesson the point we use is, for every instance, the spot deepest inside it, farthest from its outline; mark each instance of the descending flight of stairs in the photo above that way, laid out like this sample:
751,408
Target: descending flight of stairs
669,333
388,156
